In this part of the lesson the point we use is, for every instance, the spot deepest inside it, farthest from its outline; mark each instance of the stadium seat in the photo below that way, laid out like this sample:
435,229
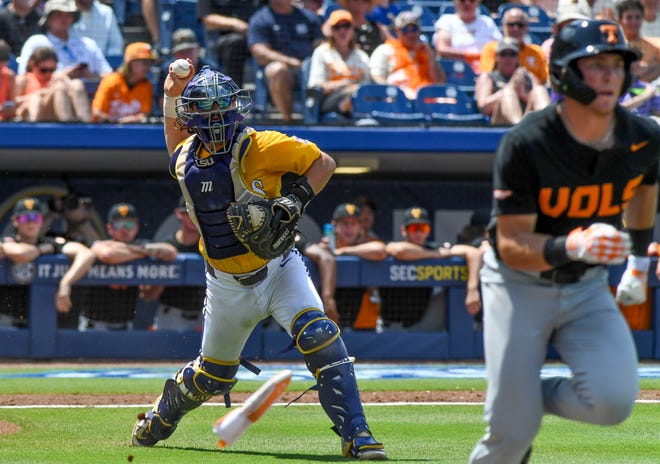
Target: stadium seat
380,104
176,14
460,73
449,8
446,104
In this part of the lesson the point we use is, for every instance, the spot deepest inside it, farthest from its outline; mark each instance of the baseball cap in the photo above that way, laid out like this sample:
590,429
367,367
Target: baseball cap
507,43
139,51
346,210
406,17
184,39
416,215
28,205
67,6
571,13
122,211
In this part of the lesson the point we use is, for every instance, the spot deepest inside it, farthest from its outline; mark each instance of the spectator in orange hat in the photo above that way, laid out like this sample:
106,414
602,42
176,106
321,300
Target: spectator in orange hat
338,65
126,95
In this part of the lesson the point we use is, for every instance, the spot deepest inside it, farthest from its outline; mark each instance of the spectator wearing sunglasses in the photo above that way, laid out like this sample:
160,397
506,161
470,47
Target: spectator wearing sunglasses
44,94
358,308
406,61
509,91
416,230
515,24
368,33
126,96
338,65
113,307
462,35
25,245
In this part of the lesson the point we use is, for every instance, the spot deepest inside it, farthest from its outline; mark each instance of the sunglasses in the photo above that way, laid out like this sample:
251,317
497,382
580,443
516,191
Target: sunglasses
222,102
128,225
509,54
414,228
410,28
26,218
467,1
342,25
520,25
46,70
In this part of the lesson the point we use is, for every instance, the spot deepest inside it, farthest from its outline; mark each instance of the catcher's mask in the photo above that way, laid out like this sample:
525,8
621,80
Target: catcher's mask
212,106
581,38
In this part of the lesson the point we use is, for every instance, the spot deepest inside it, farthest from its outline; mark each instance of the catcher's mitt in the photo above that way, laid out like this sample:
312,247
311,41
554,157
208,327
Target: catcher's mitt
266,227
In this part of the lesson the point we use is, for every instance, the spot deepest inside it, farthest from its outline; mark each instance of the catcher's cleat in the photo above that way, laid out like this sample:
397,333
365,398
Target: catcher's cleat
147,427
232,425
365,447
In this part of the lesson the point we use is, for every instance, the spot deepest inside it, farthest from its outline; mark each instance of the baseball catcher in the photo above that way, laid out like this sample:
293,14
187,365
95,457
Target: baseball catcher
245,191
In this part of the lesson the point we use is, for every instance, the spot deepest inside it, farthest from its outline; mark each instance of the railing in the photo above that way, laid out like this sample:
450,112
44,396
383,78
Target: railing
43,340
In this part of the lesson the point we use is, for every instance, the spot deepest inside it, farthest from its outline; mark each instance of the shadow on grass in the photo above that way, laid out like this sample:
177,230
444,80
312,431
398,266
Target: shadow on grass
289,456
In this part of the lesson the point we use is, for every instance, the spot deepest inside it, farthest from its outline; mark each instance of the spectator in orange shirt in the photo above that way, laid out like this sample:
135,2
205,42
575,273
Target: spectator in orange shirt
515,24
126,95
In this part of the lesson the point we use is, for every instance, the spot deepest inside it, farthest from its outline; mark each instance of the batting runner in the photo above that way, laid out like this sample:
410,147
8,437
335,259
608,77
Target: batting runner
245,191
567,180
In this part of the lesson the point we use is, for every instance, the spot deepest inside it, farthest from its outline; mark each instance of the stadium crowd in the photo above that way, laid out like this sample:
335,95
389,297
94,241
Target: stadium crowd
304,62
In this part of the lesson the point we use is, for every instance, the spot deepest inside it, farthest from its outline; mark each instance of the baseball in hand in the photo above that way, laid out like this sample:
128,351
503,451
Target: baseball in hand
181,68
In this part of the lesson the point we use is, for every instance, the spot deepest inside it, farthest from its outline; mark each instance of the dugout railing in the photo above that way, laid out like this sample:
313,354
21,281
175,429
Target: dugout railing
42,339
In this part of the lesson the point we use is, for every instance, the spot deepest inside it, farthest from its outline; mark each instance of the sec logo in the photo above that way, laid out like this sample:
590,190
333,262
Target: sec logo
24,273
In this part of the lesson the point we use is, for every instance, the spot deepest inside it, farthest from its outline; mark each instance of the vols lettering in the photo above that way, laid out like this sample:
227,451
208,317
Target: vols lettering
586,200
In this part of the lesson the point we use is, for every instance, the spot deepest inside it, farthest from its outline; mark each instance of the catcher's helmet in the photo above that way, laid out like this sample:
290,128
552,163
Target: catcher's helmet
581,38
212,105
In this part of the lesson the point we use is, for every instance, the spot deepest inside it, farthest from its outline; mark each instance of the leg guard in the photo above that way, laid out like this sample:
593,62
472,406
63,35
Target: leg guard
194,384
317,338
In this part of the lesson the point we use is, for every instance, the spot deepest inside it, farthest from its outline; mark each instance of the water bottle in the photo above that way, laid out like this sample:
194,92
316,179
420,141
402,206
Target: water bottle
329,234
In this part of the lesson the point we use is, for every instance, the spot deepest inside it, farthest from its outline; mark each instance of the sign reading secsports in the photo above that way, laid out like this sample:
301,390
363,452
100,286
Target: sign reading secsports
445,272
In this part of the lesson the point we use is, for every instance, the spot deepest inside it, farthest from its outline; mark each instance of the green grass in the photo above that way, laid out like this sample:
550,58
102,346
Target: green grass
300,434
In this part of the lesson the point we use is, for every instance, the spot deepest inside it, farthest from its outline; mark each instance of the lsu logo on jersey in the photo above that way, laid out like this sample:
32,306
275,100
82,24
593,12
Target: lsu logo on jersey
258,186
586,200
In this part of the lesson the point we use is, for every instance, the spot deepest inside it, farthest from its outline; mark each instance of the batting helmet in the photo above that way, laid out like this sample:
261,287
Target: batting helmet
581,38
212,105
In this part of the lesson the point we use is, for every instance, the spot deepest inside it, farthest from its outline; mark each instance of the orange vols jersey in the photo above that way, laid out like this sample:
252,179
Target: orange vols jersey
116,99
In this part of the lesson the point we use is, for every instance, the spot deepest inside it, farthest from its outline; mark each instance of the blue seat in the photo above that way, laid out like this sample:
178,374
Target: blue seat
176,14
446,104
449,8
460,73
380,104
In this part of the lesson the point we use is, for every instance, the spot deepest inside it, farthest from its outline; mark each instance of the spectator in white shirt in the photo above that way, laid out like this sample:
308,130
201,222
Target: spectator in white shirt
78,57
98,22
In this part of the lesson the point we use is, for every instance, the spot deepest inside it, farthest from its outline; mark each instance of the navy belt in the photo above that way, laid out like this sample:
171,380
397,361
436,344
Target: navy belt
246,280
562,276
